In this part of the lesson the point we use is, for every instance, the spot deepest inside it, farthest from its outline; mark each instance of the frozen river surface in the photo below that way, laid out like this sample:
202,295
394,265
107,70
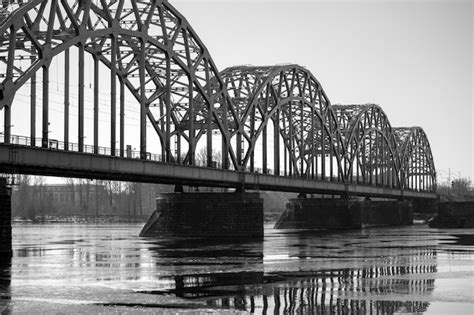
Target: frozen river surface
109,269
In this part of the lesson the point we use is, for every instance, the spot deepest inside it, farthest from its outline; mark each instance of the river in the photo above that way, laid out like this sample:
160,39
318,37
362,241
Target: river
107,268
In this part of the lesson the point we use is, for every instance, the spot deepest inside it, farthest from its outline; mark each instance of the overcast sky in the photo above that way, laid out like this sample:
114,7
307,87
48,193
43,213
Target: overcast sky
414,58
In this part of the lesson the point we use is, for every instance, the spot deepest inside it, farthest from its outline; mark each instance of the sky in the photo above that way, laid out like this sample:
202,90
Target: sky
413,58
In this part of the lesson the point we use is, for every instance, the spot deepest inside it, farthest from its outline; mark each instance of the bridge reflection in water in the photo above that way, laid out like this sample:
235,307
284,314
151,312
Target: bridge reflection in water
106,268
340,291
400,285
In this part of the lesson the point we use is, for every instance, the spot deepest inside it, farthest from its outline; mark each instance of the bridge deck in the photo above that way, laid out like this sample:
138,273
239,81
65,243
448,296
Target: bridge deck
38,161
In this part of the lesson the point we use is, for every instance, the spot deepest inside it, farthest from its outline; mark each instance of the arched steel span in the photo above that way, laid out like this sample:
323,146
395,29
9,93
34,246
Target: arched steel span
286,106
148,45
371,147
417,166
377,154
152,51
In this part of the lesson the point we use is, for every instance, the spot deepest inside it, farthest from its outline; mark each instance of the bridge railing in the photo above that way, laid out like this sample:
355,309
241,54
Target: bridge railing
54,144
133,154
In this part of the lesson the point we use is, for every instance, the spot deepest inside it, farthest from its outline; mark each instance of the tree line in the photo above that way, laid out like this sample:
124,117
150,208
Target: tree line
459,189
33,197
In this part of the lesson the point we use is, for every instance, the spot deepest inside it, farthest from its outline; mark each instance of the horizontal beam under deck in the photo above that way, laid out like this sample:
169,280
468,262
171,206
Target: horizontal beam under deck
38,161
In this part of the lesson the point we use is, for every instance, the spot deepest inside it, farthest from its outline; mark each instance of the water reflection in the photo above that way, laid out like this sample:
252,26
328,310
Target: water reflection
377,271
30,252
207,285
335,291
5,284
347,290
195,268
338,291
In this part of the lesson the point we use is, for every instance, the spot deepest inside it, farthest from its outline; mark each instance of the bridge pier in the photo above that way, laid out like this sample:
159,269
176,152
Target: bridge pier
199,214
5,221
425,205
321,213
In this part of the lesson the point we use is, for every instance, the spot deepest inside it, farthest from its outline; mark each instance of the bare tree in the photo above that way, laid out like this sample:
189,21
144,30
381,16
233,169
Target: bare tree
201,156
97,184
459,190
71,183
461,186
22,204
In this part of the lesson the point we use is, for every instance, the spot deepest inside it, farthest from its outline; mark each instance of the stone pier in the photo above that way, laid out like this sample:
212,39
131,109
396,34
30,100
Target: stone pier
5,221
320,213
212,214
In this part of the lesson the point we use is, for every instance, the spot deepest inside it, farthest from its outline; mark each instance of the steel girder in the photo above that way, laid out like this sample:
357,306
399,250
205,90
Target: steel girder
278,113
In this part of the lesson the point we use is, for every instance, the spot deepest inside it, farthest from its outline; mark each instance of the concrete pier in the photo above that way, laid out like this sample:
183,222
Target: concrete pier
207,215
317,213
5,221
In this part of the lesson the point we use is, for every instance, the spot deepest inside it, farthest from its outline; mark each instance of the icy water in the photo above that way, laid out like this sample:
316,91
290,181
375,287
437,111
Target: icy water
108,269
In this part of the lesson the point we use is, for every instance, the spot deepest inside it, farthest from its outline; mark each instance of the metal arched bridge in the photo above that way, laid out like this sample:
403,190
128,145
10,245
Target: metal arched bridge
82,79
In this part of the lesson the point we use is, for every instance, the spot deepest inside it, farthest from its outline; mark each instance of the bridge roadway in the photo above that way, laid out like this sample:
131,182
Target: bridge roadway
20,159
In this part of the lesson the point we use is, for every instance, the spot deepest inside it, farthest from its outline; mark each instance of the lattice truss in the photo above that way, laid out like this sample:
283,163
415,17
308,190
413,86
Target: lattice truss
417,165
290,102
274,119
371,155
147,44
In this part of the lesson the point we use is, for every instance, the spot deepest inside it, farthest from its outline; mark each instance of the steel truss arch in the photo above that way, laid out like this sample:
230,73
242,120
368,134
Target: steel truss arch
148,45
417,165
372,155
289,100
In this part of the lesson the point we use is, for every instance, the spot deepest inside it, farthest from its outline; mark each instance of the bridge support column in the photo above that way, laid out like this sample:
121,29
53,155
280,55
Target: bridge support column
236,215
320,213
5,221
